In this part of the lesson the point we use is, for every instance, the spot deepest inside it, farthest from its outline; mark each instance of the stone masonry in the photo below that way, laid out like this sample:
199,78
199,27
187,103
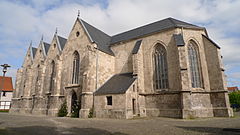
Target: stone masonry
115,74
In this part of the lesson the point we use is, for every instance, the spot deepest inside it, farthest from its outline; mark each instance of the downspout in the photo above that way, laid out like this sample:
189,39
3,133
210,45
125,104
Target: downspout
96,83
96,67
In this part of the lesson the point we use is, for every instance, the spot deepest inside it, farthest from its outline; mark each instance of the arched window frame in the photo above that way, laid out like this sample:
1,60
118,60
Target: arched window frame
38,76
75,68
52,76
160,68
195,65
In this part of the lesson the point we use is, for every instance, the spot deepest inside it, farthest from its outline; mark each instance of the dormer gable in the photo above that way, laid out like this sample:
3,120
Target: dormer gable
29,56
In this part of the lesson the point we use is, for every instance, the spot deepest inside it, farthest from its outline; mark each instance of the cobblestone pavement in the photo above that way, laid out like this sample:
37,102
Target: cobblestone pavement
42,125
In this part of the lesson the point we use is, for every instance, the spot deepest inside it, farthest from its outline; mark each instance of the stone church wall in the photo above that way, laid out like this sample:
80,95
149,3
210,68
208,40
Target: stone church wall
116,110
180,100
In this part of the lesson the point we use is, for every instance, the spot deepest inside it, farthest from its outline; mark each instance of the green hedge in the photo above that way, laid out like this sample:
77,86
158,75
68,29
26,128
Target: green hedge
234,99
63,110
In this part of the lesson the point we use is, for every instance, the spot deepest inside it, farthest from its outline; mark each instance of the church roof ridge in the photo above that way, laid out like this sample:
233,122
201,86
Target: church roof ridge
151,28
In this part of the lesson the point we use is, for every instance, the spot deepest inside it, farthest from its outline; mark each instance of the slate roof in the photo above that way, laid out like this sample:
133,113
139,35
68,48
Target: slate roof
104,41
179,39
7,83
99,37
210,40
62,41
152,28
34,50
136,47
46,47
117,84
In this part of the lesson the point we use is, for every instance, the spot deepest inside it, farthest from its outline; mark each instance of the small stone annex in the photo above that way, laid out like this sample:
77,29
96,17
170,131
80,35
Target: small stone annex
168,68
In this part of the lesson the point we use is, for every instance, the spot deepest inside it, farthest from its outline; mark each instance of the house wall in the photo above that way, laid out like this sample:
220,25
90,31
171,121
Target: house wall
7,97
117,110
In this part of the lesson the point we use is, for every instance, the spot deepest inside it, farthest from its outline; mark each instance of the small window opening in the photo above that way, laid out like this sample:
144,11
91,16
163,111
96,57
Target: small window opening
109,100
54,45
134,88
77,33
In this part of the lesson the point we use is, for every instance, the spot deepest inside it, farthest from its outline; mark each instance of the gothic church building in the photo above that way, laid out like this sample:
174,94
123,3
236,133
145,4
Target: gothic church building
168,68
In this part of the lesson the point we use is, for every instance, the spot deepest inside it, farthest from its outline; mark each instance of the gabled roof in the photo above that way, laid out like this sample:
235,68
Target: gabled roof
152,28
34,50
46,47
179,39
62,41
99,37
7,83
136,47
117,84
210,40
104,41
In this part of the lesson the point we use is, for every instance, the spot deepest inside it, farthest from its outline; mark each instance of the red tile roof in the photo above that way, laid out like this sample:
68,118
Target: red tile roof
6,83
232,88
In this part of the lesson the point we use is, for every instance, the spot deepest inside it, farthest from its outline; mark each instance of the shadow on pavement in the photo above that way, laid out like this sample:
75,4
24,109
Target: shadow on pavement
213,130
43,130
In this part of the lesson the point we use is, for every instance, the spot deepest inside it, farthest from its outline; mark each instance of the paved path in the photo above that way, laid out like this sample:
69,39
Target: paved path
41,125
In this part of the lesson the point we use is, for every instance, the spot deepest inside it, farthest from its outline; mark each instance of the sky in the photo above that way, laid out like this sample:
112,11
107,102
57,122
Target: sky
23,21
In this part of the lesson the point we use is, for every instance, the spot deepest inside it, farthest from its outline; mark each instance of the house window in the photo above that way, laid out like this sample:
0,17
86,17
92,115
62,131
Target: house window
194,64
4,94
53,75
160,68
75,71
109,100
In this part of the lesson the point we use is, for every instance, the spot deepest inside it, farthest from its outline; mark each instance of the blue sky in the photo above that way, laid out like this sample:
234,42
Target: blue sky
24,20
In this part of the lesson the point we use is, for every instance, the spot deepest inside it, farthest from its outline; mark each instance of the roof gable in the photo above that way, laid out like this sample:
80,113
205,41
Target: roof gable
34,50
99,37
62,41
46,47
29,57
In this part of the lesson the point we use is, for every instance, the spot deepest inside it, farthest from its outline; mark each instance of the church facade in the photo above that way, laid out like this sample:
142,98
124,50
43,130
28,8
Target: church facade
168,68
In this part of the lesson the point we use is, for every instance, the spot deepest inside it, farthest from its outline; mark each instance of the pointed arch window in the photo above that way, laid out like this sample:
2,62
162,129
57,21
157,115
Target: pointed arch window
160,68
194,64
53,75
38,76
76,69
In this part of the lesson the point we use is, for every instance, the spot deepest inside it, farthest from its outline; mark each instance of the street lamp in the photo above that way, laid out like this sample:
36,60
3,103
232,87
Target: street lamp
5,66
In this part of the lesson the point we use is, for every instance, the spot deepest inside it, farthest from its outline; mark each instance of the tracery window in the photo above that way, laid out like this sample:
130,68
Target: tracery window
160,68
75,69
53,75
38,76
194,64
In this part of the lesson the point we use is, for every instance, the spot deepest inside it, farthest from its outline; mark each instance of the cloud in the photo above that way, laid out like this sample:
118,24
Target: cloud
22,21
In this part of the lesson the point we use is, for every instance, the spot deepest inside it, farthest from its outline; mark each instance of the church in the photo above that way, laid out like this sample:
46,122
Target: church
168,68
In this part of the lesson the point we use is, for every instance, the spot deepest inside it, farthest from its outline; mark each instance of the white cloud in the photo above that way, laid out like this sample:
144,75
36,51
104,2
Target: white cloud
22,22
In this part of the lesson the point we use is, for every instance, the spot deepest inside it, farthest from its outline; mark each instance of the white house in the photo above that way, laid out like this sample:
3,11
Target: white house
6,89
